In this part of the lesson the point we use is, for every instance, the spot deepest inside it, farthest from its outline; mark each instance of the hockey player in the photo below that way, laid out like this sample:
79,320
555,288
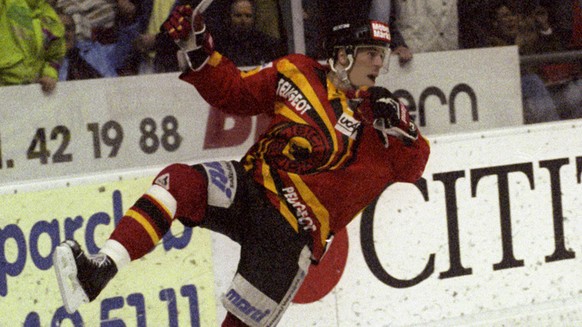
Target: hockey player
335,142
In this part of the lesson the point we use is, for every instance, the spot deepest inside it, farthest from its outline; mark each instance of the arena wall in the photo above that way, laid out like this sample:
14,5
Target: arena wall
490,236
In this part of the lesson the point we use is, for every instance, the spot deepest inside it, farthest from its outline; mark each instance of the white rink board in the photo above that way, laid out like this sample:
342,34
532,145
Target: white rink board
527,289
459,91
407,230
103,125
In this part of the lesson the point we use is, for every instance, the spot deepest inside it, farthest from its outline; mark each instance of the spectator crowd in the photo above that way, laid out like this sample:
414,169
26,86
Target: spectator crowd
45,41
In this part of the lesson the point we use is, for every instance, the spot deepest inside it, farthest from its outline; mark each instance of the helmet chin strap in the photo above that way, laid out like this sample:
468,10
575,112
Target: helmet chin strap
342,72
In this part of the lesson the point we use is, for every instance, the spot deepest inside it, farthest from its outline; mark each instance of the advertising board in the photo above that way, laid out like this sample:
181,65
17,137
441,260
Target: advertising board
101,125
172,286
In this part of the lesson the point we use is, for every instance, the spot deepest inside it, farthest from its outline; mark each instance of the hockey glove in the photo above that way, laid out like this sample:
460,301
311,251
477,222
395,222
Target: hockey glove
186,27
391,117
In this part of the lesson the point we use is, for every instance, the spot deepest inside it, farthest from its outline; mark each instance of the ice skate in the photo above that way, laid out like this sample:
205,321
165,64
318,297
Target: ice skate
81,278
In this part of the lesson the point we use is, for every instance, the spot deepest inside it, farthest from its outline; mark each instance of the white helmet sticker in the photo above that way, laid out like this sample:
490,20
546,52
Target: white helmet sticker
380,31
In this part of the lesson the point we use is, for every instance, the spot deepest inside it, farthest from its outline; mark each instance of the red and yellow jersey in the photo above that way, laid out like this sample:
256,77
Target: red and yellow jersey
320,161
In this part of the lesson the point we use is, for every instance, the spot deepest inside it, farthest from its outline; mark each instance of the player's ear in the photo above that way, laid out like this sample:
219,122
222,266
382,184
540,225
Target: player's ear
342,57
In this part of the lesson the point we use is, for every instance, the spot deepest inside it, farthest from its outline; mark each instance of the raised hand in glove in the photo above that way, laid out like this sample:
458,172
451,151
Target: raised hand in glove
186,27
390,116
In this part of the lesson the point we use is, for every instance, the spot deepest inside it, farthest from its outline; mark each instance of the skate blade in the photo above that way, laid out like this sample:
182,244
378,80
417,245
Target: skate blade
72,293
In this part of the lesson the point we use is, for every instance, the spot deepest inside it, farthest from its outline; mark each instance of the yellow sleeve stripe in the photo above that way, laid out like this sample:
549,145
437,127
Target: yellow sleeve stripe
245,74
214,59
321,213
426,140
145,224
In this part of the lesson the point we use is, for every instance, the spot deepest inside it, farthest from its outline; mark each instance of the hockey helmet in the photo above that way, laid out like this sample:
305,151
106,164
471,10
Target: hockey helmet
350,35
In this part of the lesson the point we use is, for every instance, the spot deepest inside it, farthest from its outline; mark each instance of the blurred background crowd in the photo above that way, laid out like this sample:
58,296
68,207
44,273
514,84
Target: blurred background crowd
45,41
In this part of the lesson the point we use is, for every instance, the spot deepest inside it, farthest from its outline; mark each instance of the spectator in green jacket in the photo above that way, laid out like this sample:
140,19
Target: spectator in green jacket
32,43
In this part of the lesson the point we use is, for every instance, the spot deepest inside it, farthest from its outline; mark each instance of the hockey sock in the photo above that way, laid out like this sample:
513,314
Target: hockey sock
146,222
179,191
117,252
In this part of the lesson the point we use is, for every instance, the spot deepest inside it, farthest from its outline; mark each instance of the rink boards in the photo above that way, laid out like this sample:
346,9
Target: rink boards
491,235
483,238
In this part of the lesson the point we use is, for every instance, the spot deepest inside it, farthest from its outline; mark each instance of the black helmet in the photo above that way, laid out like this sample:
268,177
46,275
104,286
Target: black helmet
351,35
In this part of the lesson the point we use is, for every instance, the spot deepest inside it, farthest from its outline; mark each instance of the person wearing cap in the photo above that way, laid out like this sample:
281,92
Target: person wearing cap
334,144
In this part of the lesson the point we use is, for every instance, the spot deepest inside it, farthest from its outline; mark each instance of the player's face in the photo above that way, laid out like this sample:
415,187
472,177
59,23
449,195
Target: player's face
367,64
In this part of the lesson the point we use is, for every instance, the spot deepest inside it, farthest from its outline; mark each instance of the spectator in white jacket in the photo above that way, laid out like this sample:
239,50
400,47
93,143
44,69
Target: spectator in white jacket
428,25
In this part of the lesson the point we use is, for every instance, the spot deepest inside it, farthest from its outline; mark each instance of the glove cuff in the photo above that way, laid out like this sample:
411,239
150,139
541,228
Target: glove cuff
194,60
408,135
